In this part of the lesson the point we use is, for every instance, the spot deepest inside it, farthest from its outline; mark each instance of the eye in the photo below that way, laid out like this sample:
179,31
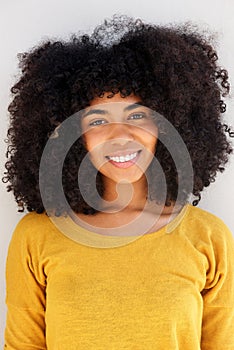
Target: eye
137,116
97,122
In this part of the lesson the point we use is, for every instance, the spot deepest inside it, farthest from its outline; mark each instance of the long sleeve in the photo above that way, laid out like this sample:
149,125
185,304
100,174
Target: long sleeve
218,295
162,291
25,295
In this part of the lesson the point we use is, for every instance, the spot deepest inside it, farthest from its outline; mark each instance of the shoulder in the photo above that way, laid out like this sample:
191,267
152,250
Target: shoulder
33,221
199,216
33,227
203,226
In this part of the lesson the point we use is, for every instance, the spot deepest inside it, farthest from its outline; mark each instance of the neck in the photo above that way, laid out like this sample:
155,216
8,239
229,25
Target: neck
124,196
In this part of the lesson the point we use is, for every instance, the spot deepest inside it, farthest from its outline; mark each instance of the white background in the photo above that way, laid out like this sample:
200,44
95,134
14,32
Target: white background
24,23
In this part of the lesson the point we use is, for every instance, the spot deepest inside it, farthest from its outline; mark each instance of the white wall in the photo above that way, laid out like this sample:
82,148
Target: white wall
24,23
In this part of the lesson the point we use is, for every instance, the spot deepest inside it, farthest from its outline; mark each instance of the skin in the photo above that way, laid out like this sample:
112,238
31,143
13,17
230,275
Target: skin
109,125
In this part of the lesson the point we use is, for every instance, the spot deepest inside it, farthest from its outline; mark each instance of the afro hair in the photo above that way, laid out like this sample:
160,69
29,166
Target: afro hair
172,68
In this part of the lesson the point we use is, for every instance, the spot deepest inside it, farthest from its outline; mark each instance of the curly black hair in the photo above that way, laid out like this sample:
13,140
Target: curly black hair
172,68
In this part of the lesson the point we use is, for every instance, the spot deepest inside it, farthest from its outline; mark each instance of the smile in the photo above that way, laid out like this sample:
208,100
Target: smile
122,159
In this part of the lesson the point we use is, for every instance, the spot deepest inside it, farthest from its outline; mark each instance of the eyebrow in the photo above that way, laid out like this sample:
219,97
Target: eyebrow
104,112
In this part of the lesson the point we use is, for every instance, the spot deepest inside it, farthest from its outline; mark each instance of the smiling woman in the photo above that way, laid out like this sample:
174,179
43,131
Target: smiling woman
126,261
125,129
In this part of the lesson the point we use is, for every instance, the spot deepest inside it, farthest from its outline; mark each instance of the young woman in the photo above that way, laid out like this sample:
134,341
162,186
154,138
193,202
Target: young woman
120,259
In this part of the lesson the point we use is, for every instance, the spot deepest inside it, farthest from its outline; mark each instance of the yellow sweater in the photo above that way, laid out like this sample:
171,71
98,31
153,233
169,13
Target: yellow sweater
162,291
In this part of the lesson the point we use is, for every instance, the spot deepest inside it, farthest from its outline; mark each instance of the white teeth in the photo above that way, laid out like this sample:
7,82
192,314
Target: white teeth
122,159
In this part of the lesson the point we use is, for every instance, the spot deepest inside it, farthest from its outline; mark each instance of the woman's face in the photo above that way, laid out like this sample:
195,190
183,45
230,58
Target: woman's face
120,136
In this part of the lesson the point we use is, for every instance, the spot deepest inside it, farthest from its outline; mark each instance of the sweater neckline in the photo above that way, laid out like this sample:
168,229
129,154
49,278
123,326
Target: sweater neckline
81,235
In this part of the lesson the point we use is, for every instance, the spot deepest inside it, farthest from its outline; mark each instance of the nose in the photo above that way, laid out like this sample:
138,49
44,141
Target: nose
120,133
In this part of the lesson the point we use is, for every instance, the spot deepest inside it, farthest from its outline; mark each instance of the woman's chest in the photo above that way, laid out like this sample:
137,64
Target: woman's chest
140,295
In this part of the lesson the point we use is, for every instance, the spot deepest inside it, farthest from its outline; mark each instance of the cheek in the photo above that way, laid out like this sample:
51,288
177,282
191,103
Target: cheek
149,135
154,143
89,142
151,142
93,140
93,145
